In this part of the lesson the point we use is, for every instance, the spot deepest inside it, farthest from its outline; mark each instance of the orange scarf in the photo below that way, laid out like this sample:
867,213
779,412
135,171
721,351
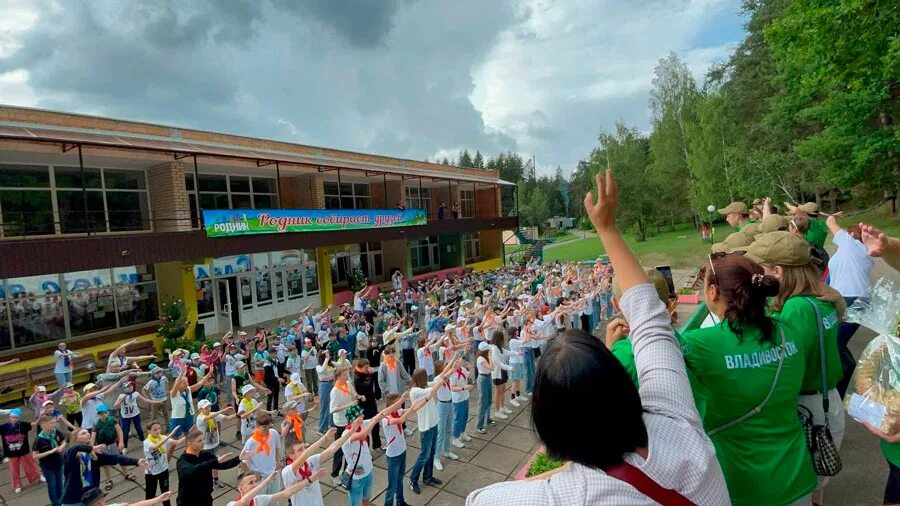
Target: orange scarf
342,386
262,441
297,421
391,362
447,353
427,351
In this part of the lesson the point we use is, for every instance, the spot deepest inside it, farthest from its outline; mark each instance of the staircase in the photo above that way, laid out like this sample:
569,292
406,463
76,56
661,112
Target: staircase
532,248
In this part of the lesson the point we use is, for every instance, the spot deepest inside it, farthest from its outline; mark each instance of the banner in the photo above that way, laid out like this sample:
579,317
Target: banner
232,222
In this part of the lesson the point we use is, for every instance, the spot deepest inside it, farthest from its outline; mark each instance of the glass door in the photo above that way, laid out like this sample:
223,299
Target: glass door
223,306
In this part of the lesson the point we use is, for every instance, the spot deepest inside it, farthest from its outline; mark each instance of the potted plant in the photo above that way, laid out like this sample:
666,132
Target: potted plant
173,324
688,296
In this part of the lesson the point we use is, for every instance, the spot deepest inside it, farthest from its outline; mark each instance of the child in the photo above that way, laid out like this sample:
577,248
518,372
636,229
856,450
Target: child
309,358
70,404
325,373
157,449
395,447
157,388
306,466
427,424
293,363
251,488
296,392
499,382
459,395
445,419
47,450
517,362
247,412
231,359
424,355
130,411
209,422
108,432
91,400
484,367
210,392
358,455
261,450
15,448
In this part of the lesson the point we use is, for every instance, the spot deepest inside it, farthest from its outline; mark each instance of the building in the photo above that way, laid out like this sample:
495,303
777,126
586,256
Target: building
100,225
560,222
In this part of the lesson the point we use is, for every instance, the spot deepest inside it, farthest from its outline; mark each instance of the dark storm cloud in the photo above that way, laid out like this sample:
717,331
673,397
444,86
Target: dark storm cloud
389,77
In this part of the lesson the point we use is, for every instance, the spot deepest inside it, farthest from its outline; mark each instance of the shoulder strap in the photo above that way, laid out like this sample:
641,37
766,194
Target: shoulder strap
765,401
821,328
633,476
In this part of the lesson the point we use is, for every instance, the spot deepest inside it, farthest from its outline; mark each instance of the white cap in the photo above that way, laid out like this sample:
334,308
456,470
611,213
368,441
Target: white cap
40,388
482,346
204,404
195,356
216,344
449,326
242,333
48,401
295,378
247,388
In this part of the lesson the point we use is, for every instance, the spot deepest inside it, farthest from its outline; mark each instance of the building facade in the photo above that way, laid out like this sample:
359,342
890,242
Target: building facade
101,224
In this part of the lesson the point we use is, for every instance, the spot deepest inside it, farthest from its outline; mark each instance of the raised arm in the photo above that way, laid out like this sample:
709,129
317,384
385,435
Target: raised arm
879,244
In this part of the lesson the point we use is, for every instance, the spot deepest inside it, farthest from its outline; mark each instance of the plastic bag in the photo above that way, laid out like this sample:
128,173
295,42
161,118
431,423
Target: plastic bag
874,392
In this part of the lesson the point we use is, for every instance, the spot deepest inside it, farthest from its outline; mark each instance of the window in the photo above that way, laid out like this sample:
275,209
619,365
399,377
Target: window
467,203
472,247
109,200
26,203
418,198
424,254
347,195
230,192
364,256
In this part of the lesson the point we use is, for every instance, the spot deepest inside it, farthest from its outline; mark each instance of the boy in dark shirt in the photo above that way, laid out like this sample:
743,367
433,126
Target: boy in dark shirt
15,447
47,450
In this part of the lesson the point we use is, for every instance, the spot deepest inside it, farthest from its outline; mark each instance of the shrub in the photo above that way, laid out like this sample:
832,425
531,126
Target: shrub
543,463
686,291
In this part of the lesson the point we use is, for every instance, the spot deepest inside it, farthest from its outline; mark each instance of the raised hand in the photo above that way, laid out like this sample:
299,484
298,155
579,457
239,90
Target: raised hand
603,213
616,330
875,240
224,457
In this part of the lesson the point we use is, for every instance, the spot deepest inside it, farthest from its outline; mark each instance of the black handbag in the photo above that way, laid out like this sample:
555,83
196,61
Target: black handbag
347,475
825,455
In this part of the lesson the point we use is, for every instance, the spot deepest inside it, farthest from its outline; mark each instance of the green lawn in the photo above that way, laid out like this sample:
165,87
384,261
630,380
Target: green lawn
683,247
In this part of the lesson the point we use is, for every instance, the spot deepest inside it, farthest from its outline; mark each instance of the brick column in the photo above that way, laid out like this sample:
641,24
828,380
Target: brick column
304,191
394,193
169,198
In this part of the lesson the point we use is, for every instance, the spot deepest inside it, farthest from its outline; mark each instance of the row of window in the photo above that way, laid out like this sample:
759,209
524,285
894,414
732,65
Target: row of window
54,307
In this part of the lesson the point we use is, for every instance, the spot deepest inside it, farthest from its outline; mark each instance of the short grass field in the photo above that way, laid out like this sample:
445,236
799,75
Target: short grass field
683,247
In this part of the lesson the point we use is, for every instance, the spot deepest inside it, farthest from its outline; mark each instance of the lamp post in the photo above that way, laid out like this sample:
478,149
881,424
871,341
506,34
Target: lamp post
712,230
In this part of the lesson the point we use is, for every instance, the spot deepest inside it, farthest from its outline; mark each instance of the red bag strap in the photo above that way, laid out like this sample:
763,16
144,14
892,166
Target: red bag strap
645,485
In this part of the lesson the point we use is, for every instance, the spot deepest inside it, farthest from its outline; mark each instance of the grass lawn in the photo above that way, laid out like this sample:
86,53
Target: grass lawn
683,247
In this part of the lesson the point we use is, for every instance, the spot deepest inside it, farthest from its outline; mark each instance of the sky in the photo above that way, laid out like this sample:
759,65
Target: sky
418,79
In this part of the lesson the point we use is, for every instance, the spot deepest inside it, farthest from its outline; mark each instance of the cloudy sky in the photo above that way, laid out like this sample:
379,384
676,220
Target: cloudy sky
409,78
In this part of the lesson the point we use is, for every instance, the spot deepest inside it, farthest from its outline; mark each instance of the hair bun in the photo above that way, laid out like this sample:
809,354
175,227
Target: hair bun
765,285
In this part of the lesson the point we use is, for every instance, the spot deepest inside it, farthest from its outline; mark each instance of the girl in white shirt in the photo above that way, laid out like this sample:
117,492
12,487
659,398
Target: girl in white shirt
459,395
517,362
425,355
157,448
485,369
499,382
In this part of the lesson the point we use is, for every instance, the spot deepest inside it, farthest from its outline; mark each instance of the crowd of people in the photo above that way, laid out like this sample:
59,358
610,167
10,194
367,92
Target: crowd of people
706,416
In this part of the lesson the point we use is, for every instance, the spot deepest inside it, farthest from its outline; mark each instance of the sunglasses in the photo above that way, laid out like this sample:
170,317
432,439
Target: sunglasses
721,254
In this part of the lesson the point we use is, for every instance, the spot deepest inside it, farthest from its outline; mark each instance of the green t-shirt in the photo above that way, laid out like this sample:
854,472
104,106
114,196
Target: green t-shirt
801,316
624,353
891,452
745,225
816,233
764,458
535,283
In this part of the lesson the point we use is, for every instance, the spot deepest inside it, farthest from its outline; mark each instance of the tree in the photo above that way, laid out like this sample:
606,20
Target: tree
533,209
478,160
673,101
465,160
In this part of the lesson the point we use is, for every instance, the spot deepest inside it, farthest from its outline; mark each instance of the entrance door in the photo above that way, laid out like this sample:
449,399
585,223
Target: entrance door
223,307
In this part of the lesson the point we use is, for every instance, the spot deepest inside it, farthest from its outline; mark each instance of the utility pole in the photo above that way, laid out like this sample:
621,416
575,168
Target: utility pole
533,169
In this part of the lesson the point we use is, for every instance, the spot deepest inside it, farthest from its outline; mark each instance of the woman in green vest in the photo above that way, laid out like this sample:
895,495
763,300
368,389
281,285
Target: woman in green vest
747,371
787,257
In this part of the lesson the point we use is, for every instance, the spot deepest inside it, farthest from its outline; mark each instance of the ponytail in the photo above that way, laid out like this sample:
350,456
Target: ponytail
745,287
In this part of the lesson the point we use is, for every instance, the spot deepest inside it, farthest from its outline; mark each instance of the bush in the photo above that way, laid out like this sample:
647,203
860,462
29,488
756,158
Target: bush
543,463
357,280
686,291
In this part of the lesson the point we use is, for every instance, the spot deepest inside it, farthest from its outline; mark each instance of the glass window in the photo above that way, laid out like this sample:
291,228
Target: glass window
26,212
264,202
240,201
294,282
351,196
361,189
72,218
467,203
246,292
133,274
472,246
424,254
214,201
240,184
263,185
70,177
204,293
91,310
136,303
312,281
347,203
279,284
117,179
24,176
5,336
82,280
189,182
332,202
213,183
33,285
127,210
37,319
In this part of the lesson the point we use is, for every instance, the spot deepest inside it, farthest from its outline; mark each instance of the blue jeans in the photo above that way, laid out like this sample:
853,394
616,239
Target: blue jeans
325,405
529,370
425,462
54,479
136,420
445,425
360,488
460,417
484,400
396,470
62,378
184,423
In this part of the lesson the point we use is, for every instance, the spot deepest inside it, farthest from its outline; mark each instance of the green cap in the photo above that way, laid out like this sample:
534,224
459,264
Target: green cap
735,207
353,412
781,248
656,279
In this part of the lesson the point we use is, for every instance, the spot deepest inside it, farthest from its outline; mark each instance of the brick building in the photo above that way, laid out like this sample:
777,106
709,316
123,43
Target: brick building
100,224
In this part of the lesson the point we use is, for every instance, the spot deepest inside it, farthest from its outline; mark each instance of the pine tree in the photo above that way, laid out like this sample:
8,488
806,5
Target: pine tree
478,161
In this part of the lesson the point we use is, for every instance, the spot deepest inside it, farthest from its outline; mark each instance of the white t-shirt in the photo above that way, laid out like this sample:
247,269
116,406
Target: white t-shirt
326,373
61,366
129,407
362,340
312,494
230,361
395,442
483,366
293,363
309,358
260,500
459,381
247,423
427,416
516,355
426,361
158,459
259,461
351,450
339,398
182,403
850,266
210,434
443,393
89,412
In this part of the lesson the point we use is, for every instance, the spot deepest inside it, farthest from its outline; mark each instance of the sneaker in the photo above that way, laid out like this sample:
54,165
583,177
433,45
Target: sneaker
5,460
481,431
18,490
523,399
527,395
438,466
500,415
457,443
434,482
43,479
506,410
491,422
408,432
465,437
414,486
336,481
514,402
451,455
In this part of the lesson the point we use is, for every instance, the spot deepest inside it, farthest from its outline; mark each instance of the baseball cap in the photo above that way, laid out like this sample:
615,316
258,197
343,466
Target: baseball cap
195,356
48,401
216,344
40,388
247,388
353,412
772,223
735,207
656,279
295,378
810,208
88,387
102,409
69,385
239,364
482,346
16,412
781,248
204,404
91,496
